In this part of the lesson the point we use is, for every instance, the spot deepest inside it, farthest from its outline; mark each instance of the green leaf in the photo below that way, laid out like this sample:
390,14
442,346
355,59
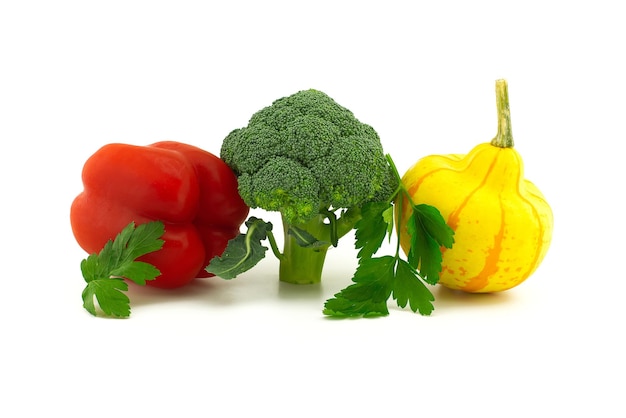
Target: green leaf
137,271
144,239
306,239
104,271
408,288
429,232
340,307
242,252
388,218
376,279
92,268
109,294
372,228
368,296
435,225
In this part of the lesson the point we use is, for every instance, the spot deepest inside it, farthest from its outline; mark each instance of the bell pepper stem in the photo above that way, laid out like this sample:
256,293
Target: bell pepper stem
504,137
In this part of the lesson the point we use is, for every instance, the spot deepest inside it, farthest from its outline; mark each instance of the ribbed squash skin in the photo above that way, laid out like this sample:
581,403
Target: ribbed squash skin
502,222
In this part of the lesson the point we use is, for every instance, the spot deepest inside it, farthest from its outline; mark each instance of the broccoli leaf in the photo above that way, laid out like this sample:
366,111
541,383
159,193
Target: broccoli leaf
305,239
429,232
242,252
104,272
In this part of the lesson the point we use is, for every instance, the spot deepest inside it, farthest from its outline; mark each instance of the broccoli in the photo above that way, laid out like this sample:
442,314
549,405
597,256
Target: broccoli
310,159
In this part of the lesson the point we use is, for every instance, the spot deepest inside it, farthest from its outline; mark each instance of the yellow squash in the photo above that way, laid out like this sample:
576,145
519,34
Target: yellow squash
502,222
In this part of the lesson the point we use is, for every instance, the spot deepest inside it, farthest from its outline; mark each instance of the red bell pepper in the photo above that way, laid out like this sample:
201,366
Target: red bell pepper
193,192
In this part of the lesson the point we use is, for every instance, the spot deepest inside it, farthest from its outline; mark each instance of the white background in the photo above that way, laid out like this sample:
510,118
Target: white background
77,75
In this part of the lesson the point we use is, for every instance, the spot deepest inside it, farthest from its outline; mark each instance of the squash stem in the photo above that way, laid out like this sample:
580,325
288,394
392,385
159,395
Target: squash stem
504,138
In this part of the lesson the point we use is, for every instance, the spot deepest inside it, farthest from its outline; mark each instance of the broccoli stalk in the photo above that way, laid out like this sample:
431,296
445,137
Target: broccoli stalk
298,264
302,261
309,159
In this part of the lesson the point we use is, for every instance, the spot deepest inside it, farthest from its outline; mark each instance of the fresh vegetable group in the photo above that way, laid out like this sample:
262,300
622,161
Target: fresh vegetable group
168,213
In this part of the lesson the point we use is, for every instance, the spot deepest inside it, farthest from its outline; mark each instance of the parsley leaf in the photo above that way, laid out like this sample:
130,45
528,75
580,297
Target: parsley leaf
378,278
368,295
372,228
110,298
242,252
104,272
408,288
375,280
429,232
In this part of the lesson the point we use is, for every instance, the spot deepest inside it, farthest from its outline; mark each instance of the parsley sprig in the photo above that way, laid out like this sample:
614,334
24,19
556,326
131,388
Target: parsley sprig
376,279
105,272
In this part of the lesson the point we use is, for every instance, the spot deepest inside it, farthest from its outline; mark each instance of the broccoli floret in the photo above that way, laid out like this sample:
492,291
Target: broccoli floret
310,159
282,185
